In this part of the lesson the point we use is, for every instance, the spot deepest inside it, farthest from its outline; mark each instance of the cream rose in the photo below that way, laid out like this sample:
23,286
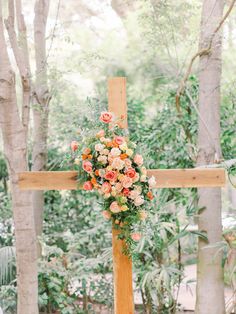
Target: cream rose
115,152
139,201
117,163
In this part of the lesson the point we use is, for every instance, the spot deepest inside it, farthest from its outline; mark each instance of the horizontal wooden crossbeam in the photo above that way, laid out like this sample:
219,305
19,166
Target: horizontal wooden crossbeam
166,178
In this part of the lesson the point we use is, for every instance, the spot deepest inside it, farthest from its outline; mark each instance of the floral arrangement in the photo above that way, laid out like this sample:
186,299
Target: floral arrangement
108,162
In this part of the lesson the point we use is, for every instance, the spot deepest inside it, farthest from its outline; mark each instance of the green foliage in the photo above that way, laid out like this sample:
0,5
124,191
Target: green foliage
8,298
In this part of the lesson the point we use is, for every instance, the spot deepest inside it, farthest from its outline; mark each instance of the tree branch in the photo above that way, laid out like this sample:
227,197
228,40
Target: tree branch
200,53
20,50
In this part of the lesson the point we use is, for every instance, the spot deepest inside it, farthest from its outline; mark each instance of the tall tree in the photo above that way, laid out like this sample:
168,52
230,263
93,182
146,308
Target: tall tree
14,126
40,108
210,283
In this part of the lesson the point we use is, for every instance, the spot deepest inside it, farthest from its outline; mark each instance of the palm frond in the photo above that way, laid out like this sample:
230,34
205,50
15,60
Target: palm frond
7,264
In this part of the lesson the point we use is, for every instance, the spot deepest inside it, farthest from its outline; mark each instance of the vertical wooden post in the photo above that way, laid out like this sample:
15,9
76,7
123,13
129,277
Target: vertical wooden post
122,265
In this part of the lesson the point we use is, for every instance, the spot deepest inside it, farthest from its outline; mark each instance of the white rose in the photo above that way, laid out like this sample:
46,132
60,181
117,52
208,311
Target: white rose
152,182
134,194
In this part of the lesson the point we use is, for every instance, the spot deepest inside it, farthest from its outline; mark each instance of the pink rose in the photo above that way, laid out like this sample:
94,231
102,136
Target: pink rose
106,214
126,192
126,182
130,172
138,159
106,187
74,146
128,162
101,133
87,186
106,117
111,175
115,208
136,236
118,187
119,140
87,166
86,151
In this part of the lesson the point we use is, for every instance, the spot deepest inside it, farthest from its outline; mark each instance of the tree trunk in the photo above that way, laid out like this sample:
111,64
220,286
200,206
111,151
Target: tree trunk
210,283
40,109
15,150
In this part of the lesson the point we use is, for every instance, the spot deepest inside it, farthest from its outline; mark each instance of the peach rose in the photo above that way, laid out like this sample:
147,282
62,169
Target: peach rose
106,187
106,117
106,214
136,236
119,140
74,145
130,172
139,201
87,166
126,182
111,175
138,159
115,208
101,133
87,186
86,151
128,162
117,163
118,187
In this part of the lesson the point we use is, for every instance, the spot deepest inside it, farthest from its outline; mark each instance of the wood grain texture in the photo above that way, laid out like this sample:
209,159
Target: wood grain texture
123,282
166,178
188,178
117,98
122,265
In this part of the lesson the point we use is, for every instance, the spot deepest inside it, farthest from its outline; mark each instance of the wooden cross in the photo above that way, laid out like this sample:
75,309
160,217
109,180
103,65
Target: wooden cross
165,178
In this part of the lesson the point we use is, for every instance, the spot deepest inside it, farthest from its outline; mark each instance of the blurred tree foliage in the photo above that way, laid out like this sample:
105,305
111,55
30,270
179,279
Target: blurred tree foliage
150,46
